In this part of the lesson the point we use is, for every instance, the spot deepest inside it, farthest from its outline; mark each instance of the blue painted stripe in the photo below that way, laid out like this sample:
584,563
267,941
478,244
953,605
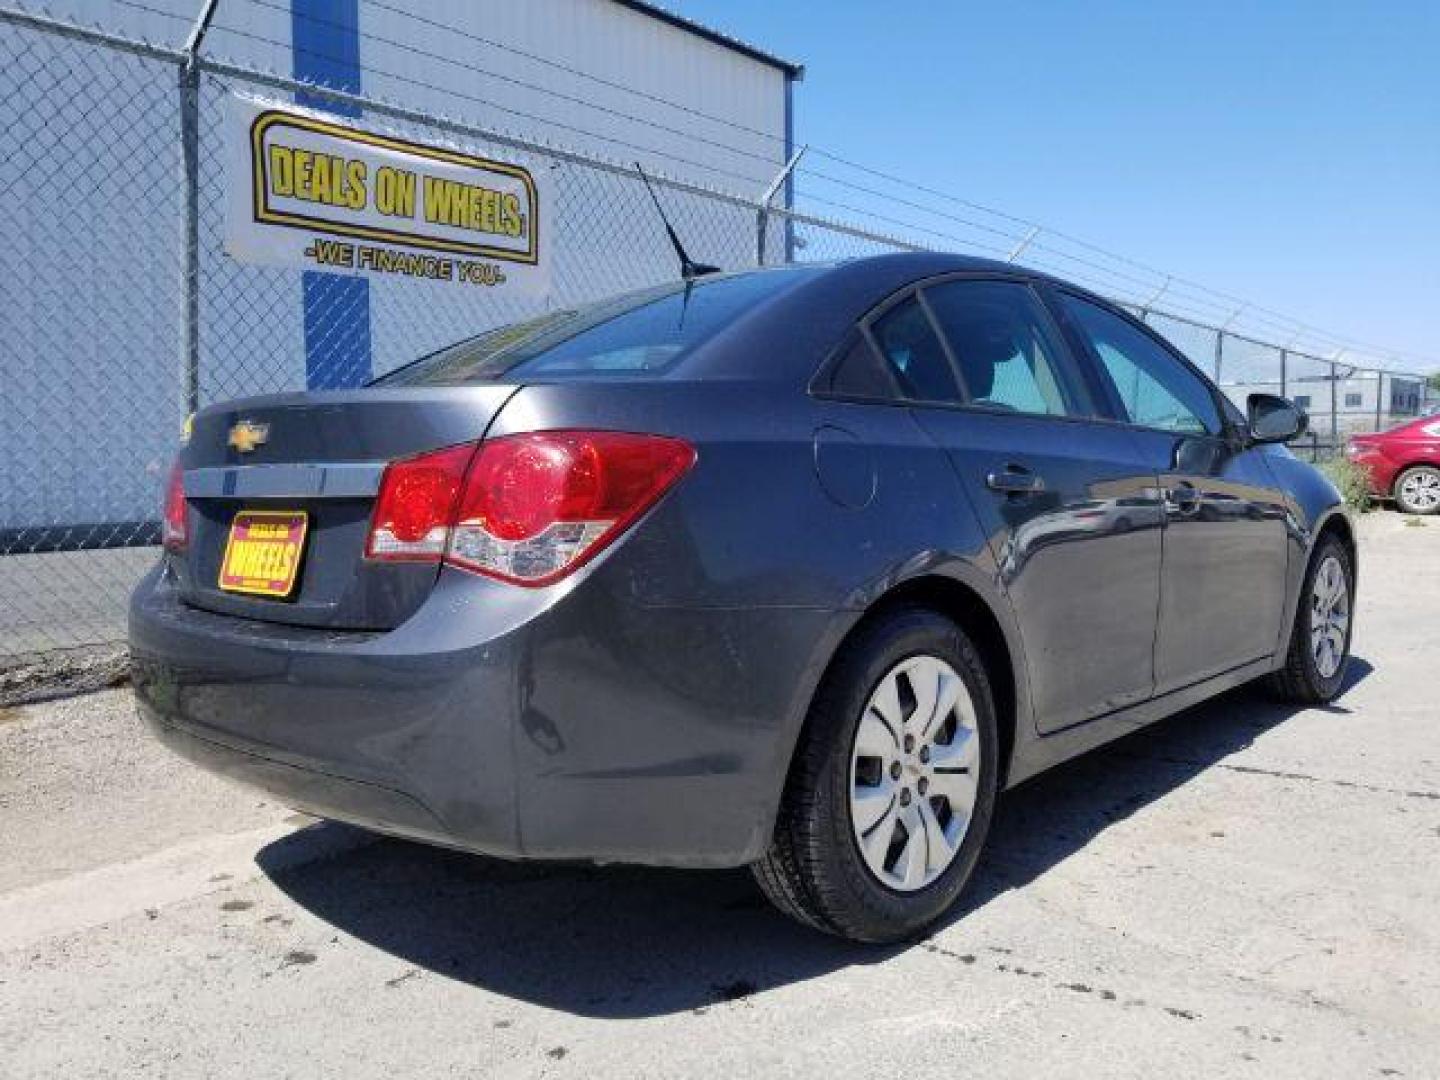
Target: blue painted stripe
325,35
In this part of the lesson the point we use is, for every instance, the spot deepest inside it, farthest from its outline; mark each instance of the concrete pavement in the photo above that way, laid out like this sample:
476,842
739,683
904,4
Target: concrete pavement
1245,890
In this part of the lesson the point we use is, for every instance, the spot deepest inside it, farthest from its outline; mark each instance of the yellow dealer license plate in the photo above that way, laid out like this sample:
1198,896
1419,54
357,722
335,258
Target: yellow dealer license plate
262,556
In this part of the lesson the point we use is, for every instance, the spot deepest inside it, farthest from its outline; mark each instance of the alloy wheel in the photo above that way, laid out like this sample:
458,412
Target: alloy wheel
1329,617
1420,491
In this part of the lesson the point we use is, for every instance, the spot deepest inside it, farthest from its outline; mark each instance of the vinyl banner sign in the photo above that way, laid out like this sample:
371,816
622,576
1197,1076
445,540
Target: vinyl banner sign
310,190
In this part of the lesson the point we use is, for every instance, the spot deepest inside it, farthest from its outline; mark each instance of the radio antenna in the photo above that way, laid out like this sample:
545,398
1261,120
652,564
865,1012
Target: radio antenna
689,268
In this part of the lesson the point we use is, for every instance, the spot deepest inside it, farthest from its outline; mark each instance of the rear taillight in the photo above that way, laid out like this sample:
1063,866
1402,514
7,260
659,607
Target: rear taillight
174,531
416,506
537,506
526,509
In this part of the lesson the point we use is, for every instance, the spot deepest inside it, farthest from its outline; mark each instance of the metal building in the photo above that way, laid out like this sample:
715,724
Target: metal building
620,80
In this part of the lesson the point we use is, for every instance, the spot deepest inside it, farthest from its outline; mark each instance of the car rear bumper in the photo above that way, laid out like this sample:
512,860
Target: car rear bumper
577,727
306,787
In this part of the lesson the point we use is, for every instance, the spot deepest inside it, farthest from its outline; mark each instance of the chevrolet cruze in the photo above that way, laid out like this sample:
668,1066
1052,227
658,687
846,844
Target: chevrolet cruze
794,569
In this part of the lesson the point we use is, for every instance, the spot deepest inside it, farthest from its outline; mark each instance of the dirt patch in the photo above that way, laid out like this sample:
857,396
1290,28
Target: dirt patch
63,674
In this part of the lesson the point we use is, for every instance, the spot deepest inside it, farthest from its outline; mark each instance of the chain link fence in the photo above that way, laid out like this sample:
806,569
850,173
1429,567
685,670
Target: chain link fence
122,313
1341,398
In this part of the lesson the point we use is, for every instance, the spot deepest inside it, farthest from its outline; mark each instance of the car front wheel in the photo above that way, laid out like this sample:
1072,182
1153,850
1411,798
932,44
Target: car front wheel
893,785
1417,490
1319,651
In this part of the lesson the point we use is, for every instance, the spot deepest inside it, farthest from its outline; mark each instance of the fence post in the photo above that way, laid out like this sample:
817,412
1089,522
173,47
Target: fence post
1379,397
1219,352
1019,248
762,209
190,187
1334,406
1284,364
1145,307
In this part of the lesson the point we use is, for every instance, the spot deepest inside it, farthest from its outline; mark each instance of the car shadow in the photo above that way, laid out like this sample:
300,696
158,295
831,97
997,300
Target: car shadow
632,942
1043,821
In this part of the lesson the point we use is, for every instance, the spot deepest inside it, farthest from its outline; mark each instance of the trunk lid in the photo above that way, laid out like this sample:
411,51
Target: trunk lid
321,454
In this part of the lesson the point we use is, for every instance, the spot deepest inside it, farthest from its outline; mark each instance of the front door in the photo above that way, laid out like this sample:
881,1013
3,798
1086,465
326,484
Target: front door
1222,594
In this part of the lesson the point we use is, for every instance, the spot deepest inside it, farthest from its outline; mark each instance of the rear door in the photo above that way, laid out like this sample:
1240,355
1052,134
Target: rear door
1070,506
1226,547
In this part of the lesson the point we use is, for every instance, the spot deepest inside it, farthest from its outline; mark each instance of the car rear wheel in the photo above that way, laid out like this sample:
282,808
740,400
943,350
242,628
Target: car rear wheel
1417,490
893,785
1319,650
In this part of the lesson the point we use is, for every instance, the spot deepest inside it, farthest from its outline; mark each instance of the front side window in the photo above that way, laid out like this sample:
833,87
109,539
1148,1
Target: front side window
1007,356
914,354
1153,387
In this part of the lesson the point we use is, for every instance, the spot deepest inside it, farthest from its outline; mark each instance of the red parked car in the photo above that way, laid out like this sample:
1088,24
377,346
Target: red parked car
1403,463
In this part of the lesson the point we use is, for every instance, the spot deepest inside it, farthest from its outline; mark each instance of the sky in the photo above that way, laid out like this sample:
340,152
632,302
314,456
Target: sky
1287,152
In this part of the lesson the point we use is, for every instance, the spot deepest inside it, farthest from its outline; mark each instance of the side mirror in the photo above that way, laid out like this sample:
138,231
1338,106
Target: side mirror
1274,419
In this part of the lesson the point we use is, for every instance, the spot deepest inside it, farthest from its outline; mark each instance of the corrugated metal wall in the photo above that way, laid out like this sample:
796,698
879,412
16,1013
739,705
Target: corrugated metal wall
600,38
494,63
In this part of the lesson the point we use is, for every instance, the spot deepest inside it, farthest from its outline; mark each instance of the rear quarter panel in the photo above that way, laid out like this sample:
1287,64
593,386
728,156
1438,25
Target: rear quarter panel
690,651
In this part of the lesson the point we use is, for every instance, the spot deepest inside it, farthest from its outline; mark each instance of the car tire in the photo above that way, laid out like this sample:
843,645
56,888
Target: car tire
816,870
1307,678
1417,490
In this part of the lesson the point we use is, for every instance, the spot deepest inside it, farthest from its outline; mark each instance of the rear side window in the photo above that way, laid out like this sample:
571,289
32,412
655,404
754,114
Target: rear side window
1155,389
1007,355
914,354
643,333
856,371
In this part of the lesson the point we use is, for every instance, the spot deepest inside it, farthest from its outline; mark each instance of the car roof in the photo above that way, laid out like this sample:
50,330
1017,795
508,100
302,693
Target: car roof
903,266
914,265
789,337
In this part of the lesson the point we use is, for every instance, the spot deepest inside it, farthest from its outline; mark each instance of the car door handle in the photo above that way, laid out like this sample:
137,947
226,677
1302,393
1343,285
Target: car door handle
1015,480
1185,497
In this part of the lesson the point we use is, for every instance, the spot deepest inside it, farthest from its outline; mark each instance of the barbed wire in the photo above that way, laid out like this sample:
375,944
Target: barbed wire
599,80
586,103
450,92
1175,284
1180,292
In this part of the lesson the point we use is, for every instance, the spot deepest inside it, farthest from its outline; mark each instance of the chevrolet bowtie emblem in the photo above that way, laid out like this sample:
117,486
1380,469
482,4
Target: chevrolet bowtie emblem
246,435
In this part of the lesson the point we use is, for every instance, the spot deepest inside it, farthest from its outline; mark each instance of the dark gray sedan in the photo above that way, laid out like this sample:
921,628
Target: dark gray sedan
795,568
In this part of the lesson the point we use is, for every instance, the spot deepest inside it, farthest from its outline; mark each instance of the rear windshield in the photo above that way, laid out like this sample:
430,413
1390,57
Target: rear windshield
641,333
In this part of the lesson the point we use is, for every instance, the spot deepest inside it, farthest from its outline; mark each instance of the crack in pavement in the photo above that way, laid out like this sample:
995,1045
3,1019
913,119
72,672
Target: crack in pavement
1283,774
1100,992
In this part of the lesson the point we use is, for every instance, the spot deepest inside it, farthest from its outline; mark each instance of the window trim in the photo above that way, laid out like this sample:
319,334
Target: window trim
819,386
867,322
1051,291
915,289
956,372
1078,394
862,326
